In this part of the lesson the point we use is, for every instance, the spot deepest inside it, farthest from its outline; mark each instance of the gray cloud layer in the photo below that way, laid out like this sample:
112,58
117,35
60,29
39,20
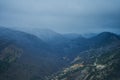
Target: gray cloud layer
79,16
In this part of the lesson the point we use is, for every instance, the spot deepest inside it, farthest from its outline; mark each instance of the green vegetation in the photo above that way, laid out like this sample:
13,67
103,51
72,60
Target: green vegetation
102,67
3,66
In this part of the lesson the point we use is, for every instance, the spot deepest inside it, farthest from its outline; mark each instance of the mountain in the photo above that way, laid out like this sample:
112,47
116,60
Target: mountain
93,64
23,39
28,56
49,36
105,38
81,44
25,57
89,35
72,36
99,40
71,49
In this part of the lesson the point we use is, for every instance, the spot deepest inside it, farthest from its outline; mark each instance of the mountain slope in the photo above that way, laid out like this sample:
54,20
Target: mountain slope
73,47
49,36
99,61
96,64
25,56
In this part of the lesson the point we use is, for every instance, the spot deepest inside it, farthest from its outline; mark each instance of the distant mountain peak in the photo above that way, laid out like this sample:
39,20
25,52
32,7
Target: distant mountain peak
108,35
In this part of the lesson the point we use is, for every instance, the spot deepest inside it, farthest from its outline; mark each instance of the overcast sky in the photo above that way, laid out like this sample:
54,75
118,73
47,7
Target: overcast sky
79,16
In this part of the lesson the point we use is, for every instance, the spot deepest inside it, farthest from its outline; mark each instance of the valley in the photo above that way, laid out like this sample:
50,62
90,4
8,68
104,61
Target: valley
28,56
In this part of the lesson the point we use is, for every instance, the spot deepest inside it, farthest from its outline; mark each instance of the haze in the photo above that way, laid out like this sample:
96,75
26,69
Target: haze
64,16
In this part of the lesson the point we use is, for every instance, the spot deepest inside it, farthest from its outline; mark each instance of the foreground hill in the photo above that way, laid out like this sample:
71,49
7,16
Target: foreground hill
94,64
98,61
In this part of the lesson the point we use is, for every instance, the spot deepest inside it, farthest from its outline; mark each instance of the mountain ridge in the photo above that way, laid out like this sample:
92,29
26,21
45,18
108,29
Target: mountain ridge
25,56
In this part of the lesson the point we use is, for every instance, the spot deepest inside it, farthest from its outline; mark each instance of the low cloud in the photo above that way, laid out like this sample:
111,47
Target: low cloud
78,16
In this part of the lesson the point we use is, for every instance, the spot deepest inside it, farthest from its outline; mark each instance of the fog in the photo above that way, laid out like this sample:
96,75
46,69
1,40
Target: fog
64,16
